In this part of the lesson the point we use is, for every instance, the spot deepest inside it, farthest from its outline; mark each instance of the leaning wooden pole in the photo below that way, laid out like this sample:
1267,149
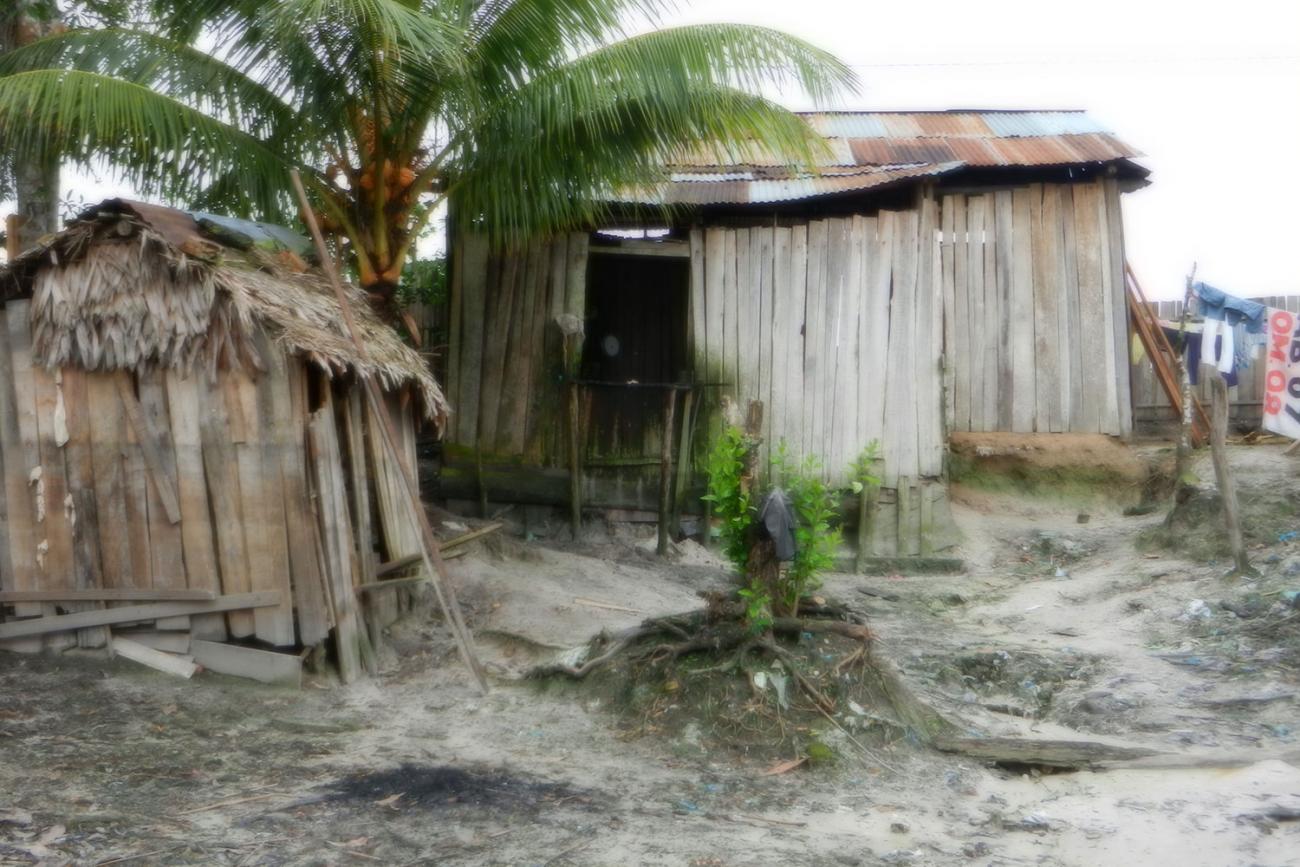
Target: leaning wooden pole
1223,472
433,562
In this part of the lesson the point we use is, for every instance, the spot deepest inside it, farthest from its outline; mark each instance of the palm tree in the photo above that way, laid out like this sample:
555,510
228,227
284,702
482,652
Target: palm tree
524,115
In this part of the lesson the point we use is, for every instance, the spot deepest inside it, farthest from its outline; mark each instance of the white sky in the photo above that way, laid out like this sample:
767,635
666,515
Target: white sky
1205,90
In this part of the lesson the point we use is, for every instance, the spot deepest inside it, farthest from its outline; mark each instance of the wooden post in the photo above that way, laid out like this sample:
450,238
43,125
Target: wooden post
868,498
13,236
683,461
666,469
1183,456
433,562
1223,473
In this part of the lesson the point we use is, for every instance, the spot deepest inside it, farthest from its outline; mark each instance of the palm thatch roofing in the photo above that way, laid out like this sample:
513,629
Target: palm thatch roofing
129,284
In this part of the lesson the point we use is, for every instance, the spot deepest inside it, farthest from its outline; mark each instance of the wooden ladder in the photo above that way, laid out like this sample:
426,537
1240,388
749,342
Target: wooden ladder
1163,357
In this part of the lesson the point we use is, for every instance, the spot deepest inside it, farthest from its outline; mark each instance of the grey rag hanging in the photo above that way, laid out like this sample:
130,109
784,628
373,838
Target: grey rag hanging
777,521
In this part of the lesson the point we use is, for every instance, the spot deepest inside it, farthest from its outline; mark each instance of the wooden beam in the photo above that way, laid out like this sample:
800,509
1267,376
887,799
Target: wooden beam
643,247
134,613
167,663
261,665
107,595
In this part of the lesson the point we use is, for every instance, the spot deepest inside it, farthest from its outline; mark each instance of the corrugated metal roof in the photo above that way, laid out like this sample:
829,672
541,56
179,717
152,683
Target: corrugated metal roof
764,187
869,149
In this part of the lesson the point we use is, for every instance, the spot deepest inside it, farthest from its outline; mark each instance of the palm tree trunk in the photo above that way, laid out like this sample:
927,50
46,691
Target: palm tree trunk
36,181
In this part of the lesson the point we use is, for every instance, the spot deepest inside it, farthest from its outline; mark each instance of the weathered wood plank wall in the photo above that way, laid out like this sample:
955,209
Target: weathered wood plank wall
157,480
1151,409
1044,264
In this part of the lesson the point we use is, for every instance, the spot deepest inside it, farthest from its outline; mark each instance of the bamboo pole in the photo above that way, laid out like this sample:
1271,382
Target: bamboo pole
433,562
1223,473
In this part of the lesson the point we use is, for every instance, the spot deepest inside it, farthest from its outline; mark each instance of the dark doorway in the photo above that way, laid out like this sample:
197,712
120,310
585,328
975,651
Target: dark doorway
636,332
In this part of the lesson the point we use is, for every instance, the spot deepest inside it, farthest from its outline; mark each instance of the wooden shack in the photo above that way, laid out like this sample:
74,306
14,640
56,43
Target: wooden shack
183,440
939,272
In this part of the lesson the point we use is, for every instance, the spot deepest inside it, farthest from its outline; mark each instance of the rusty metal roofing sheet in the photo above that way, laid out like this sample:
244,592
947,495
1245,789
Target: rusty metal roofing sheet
890,144
687,188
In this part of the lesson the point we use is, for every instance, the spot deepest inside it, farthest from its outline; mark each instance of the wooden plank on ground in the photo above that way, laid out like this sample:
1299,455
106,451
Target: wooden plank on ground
1092,314
156,659
1045,218
283,669
136,614
201,574
168,642
1023,379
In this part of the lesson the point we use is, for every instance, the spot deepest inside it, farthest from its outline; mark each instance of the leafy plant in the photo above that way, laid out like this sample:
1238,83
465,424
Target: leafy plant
862,471
812,502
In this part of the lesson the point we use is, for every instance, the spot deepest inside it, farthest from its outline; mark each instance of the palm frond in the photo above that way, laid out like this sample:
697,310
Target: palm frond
160,145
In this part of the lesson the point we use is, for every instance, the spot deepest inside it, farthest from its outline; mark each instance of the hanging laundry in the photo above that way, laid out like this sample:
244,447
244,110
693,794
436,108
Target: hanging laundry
1219,306
1282,374
1195,346
1217,345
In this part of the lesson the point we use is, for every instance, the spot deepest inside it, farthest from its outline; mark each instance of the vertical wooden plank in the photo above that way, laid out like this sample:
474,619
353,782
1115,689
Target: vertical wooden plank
714,270
264,537
54,524
832,438
793,325
746,313
336,538
929,335
183,403
1074,315
900,378
304,543
18,442
1047,337
1054,206
274,625
730,350
956,367
766,256
778,407
974,289
1119,305
1021,318
1109,339
165,546
455,314
699,308
222,470
1092,321
1006,258
848,388
107,446
83,516
474,268
873,360
993,332
813,362
502,289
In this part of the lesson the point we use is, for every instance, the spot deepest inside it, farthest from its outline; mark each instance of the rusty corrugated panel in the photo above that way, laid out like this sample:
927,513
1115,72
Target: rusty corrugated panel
780,189
1008,124
953,124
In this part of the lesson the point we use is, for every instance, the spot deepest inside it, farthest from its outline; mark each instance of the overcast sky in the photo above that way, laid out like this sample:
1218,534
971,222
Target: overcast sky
1201,88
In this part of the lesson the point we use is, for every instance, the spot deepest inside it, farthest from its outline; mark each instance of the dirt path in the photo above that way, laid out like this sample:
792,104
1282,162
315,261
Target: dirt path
102,761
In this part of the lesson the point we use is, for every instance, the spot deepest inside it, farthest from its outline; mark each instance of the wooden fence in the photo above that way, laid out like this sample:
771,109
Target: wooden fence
1151,410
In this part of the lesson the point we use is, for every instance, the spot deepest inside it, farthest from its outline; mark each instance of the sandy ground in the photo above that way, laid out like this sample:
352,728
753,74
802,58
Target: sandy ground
1059,629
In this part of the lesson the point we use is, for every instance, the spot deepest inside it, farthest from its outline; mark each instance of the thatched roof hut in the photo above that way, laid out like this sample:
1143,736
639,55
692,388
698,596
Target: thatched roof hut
180,424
